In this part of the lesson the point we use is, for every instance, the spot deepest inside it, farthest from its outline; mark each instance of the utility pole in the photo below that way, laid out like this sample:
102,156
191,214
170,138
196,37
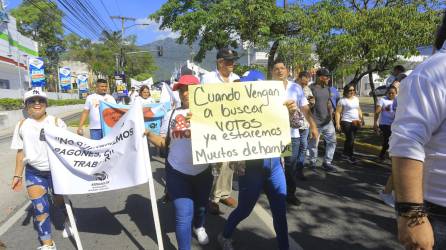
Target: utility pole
123,19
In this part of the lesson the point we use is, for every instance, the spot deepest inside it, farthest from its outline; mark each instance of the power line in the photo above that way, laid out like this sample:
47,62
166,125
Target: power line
108,13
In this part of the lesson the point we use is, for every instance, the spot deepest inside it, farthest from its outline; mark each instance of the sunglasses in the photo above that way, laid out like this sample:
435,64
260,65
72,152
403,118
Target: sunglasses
351,90
37,100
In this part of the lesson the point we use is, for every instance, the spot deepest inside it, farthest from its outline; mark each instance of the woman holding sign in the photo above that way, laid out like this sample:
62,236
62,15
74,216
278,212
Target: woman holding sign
32,158
188,185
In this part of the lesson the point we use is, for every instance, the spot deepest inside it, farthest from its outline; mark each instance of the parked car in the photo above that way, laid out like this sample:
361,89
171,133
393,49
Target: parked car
380,91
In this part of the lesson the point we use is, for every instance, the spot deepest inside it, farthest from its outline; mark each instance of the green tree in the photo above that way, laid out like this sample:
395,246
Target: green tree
227,23
362,37
43,23
102,56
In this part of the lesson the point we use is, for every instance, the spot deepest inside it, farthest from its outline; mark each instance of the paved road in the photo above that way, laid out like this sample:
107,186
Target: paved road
339,211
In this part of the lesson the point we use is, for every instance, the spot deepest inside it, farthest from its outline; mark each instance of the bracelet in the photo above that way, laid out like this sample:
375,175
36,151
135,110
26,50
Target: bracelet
415,212
18,176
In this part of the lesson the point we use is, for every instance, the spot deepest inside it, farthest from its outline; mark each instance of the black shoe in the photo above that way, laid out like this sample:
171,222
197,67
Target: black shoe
329,168
292,200
301,176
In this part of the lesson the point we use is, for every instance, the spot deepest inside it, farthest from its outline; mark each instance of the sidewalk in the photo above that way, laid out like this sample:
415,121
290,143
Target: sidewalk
12,201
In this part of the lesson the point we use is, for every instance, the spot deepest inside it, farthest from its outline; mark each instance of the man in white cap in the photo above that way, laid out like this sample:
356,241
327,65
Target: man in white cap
222,188
28,140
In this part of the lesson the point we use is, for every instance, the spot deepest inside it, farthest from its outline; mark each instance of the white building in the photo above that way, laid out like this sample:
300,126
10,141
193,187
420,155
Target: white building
15,49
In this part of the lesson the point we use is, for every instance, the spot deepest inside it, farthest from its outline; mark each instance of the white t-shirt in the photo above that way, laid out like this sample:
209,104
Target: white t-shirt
419,128
307,92
92,104
28,139
215,77
387,111
350,109
294,92
180,148
145,101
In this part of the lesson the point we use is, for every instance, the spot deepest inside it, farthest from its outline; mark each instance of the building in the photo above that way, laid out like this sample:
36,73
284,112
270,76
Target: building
15,49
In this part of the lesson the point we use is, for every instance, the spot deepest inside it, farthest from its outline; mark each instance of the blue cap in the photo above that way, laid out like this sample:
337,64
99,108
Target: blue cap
252,75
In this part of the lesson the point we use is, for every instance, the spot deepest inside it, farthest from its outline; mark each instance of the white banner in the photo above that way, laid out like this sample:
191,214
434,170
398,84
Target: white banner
119,160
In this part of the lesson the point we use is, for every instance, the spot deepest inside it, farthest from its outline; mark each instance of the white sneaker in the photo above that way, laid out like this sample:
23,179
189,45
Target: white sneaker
202,236
47,247
387,198
67,230
225,244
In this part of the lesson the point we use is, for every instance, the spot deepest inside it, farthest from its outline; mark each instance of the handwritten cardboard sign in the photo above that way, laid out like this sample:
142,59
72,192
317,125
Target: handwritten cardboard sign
239,121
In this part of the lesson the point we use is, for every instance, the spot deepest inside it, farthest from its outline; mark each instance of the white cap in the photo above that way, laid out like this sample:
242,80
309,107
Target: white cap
34,93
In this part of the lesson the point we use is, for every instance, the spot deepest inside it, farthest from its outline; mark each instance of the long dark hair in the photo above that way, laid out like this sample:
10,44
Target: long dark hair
347,87
143,87
441,33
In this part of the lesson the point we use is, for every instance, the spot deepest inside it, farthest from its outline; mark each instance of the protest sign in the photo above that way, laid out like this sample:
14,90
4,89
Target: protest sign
156,95
37,71
65,78
119,160
110,113
240,121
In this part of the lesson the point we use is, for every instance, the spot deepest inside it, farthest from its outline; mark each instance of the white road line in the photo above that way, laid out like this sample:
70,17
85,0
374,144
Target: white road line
268,221
14,218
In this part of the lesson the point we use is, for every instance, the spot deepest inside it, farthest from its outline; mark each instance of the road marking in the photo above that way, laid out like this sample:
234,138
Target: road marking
14,218
264,216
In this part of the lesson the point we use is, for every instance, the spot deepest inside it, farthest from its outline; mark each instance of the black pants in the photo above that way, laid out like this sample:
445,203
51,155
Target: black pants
386,132
350,133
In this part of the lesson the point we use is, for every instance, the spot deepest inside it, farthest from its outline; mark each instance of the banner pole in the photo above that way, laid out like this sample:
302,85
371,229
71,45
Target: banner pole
156,218
72,223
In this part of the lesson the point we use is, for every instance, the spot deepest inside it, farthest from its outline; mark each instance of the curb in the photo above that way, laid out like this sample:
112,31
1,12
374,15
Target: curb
363,147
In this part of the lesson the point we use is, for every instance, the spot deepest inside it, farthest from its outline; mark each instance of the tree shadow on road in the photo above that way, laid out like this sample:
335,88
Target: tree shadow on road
343,210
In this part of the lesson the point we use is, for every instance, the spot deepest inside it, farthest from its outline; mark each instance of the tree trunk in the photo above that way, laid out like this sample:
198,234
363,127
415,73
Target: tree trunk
272,53
372,86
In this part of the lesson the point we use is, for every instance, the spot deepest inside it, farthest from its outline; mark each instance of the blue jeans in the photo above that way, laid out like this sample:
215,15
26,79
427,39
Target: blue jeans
329,133
266,175
303,145
291,166
95,134
41,205
190,195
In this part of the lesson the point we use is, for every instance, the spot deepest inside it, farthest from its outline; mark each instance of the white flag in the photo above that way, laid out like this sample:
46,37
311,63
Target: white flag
119,160
168,95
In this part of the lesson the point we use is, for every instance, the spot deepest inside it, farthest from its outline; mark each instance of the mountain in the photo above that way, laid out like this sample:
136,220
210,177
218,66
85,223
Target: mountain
175,55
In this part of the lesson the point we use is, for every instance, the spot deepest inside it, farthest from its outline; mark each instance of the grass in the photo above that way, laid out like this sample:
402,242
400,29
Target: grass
365,100
75,123
366,140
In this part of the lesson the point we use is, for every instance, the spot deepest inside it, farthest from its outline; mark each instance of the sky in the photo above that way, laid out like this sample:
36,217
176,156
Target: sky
139,9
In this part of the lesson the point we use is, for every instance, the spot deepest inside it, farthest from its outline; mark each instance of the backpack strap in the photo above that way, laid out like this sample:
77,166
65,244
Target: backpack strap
168,131
20,127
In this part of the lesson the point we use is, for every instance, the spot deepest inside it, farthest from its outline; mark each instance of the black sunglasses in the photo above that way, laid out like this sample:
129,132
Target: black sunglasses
36,100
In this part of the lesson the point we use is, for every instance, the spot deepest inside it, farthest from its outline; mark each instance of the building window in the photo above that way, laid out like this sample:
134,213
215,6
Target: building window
4,84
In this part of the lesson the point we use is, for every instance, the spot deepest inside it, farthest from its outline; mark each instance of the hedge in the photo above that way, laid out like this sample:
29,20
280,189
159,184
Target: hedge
15,104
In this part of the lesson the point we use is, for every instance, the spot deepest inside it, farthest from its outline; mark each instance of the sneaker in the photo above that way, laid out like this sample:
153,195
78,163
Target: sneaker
202,236
48,247
329,168
67,230
387,198
225,244
293,200
230,202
